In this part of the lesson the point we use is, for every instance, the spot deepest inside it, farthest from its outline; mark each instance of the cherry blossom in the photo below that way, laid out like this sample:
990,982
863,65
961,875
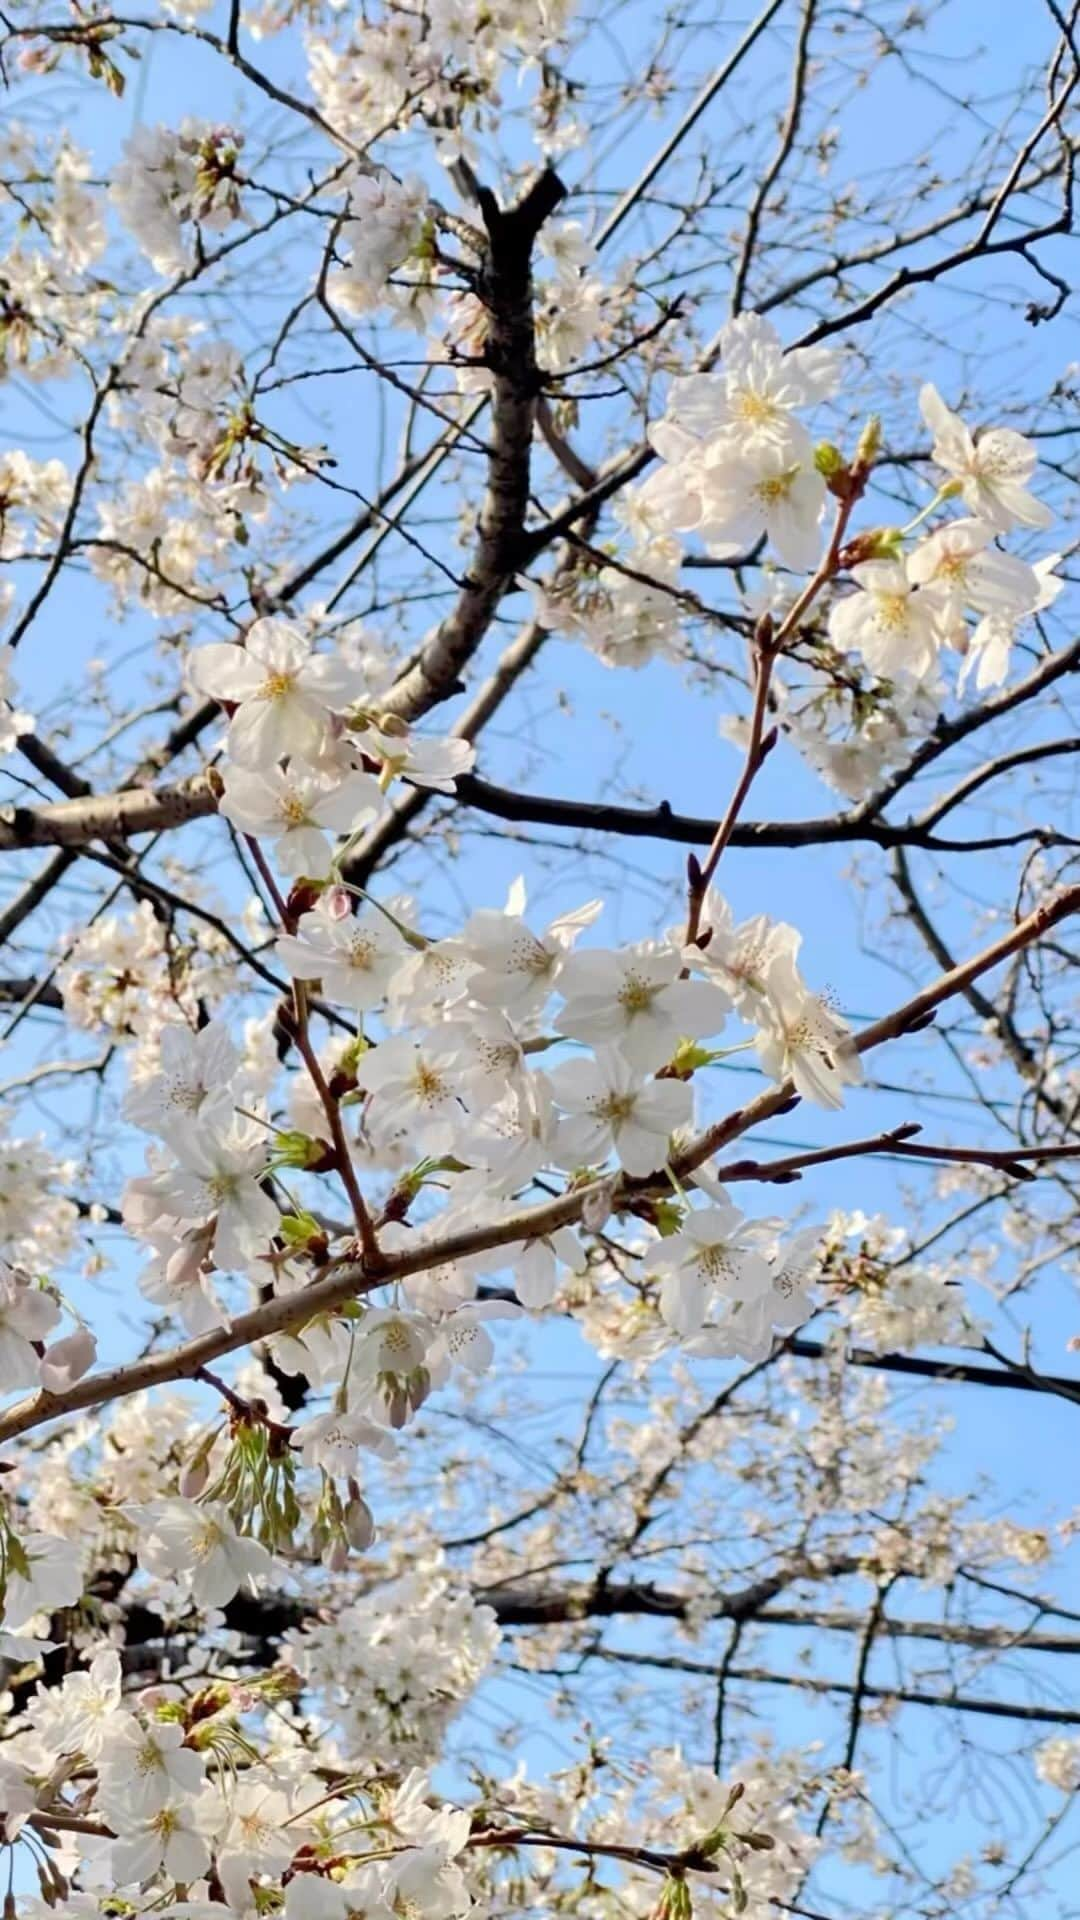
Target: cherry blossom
609,1108
175,1837
218,1173
800,1037
732,495
67,1359
89,1705
897,625
26,1315
536,1266
256,1839
712,1253
298,811
517,968
962,559
356,960
200,1543
388,1357
415,1083
992,466
145,1766
739,955
425,759
42,1574
385,224
282,692
196,1073
463,1339
989,648
13,722
754,399
636,1000
179,1277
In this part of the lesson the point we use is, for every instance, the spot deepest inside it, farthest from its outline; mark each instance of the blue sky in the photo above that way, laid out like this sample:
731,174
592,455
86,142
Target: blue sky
577,729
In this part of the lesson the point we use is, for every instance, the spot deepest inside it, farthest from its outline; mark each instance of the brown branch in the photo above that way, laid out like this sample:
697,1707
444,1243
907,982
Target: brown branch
349,1279
505,287
110,816
663,823
331,1106
917,1366
812,1683
1014,1161
788,135
134,810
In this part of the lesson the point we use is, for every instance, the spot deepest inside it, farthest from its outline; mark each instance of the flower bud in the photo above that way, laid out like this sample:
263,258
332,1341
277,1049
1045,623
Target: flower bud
419,1386
185,1263
303,897
336,1556
301,1231
596,1206
877,543
869,442
359,1524
829,460
193,1477
295,1149
396,1401
67,1360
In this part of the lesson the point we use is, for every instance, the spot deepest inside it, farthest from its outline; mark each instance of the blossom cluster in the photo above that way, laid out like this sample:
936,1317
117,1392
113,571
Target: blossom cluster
234,1648
739,465
451,57
443,1093
202,1799
173,181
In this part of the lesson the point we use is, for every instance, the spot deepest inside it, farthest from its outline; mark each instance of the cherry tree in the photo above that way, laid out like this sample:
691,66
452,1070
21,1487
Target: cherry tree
538,1207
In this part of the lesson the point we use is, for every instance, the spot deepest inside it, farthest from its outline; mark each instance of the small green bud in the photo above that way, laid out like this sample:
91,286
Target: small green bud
888,543
869,442
353,1054
295,1149
829,460
714,1842
688,1057
877,543
675,1902
667,1218
299,1229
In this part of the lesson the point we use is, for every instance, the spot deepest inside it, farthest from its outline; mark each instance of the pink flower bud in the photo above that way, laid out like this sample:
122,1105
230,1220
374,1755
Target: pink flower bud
596,1206
194,1477
359,1524
67,1360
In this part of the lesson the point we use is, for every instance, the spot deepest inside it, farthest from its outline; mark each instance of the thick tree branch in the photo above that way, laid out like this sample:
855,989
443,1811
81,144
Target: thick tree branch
505,288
